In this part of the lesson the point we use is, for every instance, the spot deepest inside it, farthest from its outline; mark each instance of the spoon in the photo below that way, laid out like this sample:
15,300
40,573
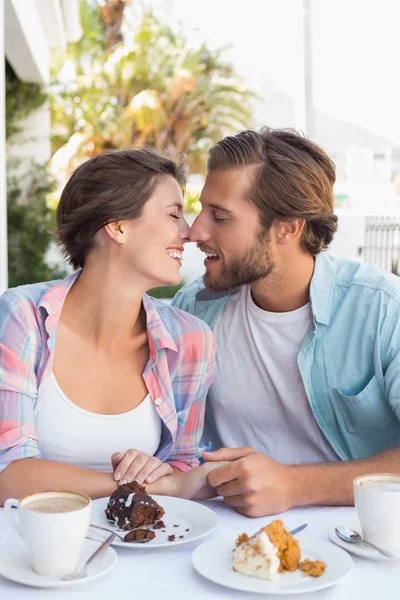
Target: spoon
81,572
121,537
352,537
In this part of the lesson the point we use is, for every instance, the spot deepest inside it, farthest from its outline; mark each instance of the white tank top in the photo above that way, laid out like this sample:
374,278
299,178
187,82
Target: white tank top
70,434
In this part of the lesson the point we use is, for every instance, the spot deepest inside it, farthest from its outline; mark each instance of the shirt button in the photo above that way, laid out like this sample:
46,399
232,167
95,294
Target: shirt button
158,401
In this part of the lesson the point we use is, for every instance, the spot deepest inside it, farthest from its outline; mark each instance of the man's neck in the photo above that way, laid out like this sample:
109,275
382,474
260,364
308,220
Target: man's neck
287,288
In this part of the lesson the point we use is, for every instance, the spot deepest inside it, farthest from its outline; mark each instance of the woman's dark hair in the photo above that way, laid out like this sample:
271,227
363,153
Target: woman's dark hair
293,179
110,187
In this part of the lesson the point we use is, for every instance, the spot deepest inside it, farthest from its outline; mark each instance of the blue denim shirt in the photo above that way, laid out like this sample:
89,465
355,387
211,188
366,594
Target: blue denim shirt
350,358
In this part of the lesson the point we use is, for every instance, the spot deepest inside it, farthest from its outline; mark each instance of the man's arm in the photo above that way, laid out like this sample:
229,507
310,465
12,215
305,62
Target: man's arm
257,486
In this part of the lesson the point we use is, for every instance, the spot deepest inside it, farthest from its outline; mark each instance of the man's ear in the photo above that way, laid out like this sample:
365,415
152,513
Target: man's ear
287,232
116,231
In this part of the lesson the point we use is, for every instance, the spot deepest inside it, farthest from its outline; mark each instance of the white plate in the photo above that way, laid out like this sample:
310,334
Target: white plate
15,565
213,560
199,519
358,549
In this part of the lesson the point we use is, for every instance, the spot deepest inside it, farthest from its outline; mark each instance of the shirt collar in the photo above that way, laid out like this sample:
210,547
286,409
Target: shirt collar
322,288
158,335
53,300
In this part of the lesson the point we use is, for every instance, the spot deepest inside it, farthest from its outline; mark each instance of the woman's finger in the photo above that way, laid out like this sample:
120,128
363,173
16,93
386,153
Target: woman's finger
152,464
135,467
116,459
124,464
160,471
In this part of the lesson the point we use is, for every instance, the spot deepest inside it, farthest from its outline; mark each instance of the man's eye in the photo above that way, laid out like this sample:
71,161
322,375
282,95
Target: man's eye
175,216
218,219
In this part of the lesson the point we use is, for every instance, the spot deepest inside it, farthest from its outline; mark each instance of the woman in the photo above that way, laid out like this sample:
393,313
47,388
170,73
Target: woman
99,382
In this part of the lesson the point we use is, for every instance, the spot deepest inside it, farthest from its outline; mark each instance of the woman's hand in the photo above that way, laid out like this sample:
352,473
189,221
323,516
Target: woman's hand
193,485
134,465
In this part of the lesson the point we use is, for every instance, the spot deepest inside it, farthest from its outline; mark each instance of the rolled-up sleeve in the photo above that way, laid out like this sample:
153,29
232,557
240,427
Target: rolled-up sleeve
187,449
18,385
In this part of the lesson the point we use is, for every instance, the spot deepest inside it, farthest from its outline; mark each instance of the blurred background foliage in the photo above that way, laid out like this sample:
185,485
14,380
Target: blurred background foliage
125,82
152,88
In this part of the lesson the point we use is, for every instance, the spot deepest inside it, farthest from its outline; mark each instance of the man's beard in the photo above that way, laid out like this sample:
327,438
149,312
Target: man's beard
254,264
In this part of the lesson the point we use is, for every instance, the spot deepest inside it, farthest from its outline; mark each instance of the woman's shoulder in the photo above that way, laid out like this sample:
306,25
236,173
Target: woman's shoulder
179,321
21,303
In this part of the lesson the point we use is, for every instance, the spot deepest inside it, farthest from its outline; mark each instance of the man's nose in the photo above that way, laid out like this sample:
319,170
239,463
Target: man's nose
198,232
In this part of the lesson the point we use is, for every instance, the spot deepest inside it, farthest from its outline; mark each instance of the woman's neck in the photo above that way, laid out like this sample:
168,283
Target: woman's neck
104,306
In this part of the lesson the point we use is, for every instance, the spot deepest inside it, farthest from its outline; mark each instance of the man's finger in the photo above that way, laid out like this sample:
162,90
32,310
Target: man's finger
224,474
227,454
233,488
235,501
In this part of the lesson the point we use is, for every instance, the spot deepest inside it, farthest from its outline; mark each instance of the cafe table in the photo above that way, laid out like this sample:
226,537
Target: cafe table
167,574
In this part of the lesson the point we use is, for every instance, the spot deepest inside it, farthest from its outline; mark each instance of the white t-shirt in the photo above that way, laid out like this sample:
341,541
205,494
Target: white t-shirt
258,397
70,434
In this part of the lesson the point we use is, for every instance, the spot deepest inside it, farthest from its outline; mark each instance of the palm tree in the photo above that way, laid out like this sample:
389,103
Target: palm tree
156,90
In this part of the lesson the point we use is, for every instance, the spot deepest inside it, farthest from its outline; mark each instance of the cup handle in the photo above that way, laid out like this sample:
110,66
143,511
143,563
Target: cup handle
10,514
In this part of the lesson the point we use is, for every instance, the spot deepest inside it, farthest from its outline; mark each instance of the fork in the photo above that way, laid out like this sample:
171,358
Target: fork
81,572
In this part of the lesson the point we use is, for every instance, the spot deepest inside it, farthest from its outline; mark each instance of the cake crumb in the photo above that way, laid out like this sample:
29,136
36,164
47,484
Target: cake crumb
159,525
187,529
171,538
181,536
140,535
176,525
243,537
313,568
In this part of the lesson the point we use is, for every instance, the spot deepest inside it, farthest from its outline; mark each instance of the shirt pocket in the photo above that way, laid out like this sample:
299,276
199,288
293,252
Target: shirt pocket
369,410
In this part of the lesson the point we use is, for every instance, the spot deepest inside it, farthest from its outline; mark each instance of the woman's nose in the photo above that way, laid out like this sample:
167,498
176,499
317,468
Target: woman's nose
184,230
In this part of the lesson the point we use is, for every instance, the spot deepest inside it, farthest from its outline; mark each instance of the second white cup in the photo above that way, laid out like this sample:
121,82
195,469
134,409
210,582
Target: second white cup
377,501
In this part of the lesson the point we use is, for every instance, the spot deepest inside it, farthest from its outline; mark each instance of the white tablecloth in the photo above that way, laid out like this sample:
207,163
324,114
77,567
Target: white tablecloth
168,574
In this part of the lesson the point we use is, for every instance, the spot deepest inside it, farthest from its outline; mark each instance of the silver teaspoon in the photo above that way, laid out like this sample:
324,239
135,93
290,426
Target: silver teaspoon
353,537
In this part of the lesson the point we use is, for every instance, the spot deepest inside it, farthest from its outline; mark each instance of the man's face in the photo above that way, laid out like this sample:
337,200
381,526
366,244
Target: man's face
228,230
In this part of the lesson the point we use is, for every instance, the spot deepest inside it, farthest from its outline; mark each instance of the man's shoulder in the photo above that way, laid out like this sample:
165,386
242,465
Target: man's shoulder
350,273
186,298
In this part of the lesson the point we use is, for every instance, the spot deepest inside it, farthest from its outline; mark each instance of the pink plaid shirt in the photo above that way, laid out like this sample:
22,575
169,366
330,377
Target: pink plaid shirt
178,374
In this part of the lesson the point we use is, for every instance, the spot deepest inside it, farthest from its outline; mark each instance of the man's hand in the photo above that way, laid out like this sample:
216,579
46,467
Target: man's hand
134,465
254,484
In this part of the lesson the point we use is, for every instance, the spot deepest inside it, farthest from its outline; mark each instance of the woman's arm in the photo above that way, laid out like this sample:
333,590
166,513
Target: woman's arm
197,374
192,485
30,475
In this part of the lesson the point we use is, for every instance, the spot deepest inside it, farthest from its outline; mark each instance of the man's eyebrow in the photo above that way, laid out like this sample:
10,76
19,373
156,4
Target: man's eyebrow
218,207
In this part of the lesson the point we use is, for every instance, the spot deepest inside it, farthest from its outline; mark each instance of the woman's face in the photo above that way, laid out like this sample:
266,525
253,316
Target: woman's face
154,241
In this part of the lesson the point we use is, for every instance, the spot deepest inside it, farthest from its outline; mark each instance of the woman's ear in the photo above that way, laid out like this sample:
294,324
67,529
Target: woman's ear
116,231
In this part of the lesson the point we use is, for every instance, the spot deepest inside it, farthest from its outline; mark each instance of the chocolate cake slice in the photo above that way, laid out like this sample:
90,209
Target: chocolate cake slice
129,507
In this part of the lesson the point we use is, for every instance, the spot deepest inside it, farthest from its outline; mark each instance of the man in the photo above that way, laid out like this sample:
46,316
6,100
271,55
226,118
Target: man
308,346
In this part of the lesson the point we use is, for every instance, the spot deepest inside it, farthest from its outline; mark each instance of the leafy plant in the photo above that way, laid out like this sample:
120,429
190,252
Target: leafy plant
30,223
21,99
154,89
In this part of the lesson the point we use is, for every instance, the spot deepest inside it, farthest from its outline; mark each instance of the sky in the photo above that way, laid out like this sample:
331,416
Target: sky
355,55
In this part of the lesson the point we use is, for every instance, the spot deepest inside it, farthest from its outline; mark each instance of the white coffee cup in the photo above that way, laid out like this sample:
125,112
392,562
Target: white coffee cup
377,502
54,526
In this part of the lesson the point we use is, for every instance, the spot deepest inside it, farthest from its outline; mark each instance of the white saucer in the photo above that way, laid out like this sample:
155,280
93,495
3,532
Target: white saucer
358,549
213,560
187,521
15,565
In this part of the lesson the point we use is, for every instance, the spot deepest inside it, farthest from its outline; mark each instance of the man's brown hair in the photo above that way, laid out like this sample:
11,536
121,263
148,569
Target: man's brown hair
110,187
293,179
